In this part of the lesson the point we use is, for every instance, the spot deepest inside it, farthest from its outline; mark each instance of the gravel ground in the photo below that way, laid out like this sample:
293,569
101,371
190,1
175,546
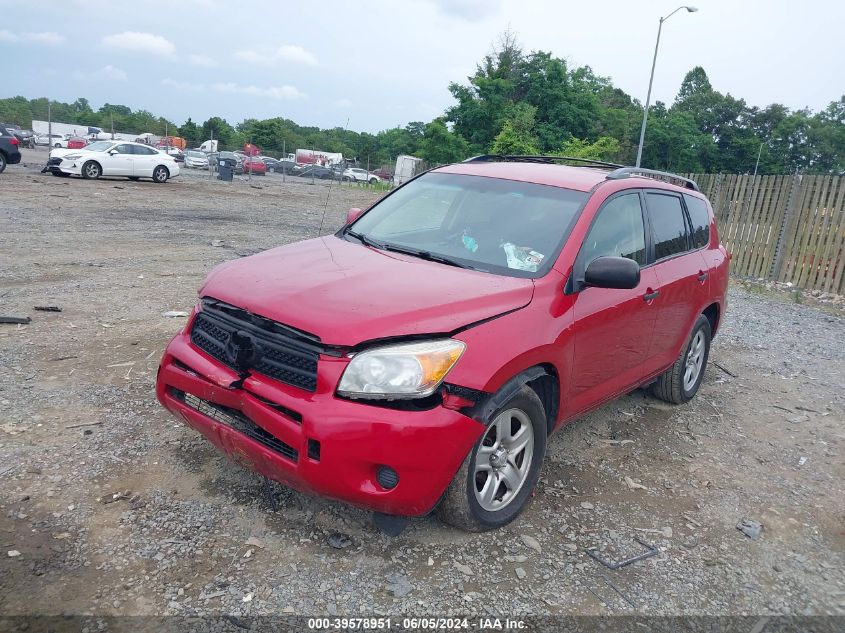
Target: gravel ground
110,506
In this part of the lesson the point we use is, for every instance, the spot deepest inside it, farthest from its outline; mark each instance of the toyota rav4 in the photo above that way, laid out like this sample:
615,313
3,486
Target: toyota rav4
419,358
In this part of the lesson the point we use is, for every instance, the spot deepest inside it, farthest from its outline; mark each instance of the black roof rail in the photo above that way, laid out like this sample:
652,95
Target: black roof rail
490,158
626,172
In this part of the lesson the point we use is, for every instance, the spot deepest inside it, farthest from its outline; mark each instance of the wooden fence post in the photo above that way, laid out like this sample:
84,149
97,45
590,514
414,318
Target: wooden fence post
777,261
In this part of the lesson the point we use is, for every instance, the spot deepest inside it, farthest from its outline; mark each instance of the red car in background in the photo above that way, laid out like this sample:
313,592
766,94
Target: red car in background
419,358
252,165
76,142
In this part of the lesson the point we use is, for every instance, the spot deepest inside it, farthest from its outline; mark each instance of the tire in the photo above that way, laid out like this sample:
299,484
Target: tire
92,170
134,178
57,145
373,181
3,162
463,504
160,174
681,381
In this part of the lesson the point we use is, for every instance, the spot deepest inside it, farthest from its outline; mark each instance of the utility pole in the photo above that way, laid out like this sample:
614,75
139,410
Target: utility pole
285,160
49,127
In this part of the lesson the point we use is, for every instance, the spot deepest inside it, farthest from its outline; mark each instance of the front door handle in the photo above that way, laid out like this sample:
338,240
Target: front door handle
650,295
702,276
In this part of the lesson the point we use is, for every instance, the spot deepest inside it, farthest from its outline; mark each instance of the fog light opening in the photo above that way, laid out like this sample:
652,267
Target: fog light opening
387,477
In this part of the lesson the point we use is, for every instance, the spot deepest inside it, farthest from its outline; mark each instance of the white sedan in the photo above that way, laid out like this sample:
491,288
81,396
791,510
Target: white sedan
113,158
360,175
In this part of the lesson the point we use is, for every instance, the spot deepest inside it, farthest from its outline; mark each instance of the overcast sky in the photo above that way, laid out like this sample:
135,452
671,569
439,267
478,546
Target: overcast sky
382,63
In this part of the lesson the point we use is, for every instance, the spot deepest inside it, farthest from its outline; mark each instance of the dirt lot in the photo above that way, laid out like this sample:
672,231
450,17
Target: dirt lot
196,534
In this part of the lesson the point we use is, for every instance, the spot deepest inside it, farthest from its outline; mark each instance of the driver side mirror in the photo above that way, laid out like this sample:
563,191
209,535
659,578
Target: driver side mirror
353,214
112,152
612,272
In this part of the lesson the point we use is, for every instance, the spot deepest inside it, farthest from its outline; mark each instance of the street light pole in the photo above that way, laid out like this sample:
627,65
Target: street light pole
651,79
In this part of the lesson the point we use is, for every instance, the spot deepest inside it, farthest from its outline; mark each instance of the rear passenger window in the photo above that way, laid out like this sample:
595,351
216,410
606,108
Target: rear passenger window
700,221
668,227
617,231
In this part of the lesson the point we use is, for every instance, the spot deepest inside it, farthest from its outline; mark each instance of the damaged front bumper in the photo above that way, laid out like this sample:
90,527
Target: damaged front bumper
314,441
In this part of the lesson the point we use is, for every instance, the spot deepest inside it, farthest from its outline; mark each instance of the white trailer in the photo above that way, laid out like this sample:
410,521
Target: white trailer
317,157
406,168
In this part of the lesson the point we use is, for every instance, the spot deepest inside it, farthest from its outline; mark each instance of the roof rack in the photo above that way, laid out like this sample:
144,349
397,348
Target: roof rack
489,158
626,172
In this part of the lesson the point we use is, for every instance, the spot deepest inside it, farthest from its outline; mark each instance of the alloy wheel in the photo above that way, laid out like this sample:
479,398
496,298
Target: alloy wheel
503,459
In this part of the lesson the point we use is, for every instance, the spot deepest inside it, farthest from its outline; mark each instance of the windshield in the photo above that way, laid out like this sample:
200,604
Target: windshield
489,224
99,146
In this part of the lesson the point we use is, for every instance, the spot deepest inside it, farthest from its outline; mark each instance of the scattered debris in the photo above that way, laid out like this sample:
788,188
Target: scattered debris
248,597
398,585
464,569
63,358
802,461
587,505
217,243
520,573
174,313
47,308
726,370
652,551
13,553
666,531
633,485
115,496
615,442
253,541
338,540
531,542
519,558
751,529
613,586
76,426
15,319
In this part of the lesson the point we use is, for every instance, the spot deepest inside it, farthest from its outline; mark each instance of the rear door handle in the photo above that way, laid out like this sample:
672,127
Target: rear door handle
651,295
702,276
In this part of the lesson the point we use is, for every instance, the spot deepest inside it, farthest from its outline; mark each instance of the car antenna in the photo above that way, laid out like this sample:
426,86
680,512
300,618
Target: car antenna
326,206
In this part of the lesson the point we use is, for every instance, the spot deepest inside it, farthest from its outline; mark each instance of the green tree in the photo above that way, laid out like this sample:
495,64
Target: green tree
440,146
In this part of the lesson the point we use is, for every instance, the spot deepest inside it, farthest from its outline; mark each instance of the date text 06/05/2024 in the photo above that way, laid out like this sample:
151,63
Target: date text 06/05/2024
415,624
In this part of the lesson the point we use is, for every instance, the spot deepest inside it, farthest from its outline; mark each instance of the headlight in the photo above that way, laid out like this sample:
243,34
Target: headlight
412,370
72,156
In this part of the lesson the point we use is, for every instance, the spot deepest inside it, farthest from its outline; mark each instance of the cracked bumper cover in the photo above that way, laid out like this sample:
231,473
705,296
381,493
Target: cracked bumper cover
424,447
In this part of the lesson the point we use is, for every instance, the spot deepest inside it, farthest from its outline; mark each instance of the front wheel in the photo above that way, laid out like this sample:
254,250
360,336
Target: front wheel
681,381
91,170
160,174
3,162
373,181
496,480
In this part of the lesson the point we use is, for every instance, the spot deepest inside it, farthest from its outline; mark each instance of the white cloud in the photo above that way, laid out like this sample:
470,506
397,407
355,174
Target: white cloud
46,37
468,9
296,54
343,103
289,53
181,85
106,73
136,42
202,60
274,92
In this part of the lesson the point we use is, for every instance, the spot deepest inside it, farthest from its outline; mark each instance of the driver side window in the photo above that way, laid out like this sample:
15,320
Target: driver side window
617,231
123,149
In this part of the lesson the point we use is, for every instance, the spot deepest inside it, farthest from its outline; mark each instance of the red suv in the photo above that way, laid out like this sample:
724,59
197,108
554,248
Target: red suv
419,358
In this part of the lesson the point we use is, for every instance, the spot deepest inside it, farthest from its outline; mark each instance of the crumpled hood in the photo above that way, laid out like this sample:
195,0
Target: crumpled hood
347,293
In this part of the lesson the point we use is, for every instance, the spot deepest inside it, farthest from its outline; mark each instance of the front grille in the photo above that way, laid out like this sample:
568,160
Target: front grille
237,421
54,161
280,352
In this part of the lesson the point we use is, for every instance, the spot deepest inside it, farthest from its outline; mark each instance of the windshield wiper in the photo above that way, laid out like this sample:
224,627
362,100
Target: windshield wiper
366,241
427,255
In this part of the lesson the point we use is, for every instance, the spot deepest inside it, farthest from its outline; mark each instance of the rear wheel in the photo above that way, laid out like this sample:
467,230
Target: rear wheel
3,162
681,381
497,478
92,170
160,174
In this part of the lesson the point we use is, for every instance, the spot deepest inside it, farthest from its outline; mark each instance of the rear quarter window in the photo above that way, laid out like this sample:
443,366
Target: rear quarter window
700,218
